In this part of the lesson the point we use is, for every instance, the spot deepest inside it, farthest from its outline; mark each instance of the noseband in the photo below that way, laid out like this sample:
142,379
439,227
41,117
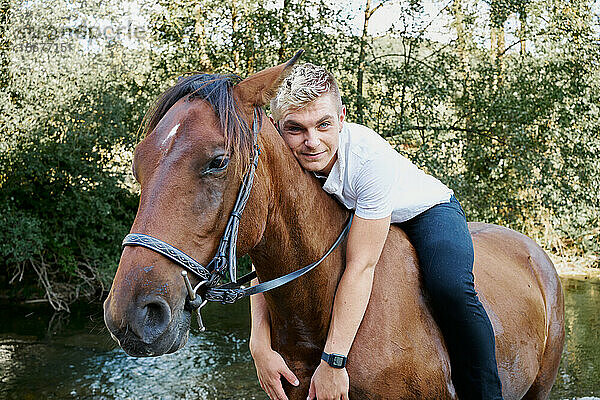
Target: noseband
225,259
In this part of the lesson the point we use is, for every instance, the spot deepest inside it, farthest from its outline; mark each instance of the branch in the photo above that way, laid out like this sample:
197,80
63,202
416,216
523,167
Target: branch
509,47
481,132
433,19
409,57
378,6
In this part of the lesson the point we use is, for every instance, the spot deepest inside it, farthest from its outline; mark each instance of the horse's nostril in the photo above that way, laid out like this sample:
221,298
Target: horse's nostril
152,319
158,316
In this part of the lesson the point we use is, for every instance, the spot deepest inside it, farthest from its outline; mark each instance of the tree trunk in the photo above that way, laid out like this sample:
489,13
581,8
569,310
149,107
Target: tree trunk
4,44
523,31
200,30
404,83
461,37
462,40
284,30
361,64
234,27
497,50
500,48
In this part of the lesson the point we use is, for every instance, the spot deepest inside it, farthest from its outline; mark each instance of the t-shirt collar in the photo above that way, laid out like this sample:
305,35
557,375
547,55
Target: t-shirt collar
333,184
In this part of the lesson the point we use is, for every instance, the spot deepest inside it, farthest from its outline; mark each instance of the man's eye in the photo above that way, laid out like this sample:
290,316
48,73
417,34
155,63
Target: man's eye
293,129
324,125
218,164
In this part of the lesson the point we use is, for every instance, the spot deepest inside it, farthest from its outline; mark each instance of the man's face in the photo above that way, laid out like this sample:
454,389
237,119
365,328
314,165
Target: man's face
312,133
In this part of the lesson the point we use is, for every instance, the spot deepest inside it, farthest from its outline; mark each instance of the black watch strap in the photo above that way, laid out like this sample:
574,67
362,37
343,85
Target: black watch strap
334,360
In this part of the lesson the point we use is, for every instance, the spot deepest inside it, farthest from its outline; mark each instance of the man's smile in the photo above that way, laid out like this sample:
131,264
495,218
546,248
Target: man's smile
313,156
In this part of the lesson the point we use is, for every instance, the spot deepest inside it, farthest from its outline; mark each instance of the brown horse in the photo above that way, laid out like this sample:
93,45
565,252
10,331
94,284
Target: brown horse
187,192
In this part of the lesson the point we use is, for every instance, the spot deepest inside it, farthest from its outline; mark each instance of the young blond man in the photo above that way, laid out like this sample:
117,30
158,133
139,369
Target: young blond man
368,176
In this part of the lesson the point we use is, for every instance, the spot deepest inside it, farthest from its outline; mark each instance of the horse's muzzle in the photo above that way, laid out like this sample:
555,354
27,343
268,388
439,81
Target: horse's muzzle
149,327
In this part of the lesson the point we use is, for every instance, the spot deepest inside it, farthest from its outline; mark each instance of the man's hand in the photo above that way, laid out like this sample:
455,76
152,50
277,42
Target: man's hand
329,383
270,366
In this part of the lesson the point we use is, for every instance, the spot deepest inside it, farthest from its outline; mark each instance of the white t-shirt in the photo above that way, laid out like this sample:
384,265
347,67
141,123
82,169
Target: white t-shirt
373,179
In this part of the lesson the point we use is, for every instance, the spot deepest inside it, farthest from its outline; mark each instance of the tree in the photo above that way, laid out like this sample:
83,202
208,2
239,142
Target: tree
361,58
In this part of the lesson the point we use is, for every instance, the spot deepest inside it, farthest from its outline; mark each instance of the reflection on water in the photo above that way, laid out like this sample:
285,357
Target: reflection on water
82,362
579,371
40,358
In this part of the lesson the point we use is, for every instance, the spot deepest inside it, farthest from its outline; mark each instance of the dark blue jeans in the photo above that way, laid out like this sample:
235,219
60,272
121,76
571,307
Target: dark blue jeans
445,251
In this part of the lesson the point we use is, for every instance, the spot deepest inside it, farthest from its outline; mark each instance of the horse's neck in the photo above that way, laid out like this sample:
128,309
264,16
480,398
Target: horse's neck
303,222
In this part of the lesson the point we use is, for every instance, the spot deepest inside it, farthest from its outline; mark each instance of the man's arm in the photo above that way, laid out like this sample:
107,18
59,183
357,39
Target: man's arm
365,243
260,332
269,364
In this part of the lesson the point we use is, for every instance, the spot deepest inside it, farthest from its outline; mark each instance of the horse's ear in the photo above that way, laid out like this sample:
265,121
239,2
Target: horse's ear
258,89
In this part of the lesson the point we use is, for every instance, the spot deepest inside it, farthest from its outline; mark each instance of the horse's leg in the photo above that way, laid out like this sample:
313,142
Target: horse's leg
553,295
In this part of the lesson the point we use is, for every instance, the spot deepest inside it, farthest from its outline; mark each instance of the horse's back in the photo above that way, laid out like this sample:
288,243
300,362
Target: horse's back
519,289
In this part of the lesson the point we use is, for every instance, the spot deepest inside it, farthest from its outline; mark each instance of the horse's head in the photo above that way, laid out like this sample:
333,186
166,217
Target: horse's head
188,166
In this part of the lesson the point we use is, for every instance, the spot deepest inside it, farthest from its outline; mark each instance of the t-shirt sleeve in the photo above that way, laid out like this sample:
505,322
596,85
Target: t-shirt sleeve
373,186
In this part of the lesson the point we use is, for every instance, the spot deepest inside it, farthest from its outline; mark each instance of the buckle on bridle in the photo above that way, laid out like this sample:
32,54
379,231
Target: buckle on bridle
193,300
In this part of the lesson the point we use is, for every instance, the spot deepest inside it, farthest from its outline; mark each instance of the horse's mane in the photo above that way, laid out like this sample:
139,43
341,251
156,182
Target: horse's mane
217,91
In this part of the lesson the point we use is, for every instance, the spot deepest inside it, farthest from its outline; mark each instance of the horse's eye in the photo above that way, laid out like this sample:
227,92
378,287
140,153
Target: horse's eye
218,164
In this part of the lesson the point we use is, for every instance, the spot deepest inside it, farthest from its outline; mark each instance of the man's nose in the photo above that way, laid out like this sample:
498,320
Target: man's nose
312,139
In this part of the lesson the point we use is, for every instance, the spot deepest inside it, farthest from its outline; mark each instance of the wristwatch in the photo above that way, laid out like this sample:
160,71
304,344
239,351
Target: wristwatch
334,360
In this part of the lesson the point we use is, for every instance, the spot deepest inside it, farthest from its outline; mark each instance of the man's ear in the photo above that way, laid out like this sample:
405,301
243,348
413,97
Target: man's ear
258,89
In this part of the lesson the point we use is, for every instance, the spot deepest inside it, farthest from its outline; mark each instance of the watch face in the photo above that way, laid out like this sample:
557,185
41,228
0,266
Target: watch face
338,361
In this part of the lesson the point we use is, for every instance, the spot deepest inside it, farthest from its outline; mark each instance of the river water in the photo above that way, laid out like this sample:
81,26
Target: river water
46,356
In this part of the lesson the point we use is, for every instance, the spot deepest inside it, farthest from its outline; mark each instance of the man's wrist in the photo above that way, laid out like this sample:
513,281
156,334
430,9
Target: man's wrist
334,360
325,365
258,345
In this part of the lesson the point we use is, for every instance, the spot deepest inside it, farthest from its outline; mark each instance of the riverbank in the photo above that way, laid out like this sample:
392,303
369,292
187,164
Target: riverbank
576,267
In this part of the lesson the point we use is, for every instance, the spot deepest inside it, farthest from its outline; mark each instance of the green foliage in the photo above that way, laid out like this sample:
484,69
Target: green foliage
513,130
65,198
243,37
516,135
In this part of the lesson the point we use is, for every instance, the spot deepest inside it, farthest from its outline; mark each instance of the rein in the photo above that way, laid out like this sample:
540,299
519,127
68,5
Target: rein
225,259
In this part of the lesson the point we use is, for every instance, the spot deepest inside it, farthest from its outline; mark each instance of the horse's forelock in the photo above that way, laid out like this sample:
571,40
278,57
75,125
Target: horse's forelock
217,91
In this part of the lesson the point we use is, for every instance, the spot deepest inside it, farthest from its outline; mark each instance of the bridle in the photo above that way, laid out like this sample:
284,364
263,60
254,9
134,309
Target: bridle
225,259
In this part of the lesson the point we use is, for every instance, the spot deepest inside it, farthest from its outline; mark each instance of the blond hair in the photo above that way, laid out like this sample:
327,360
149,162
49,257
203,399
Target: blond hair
303,85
